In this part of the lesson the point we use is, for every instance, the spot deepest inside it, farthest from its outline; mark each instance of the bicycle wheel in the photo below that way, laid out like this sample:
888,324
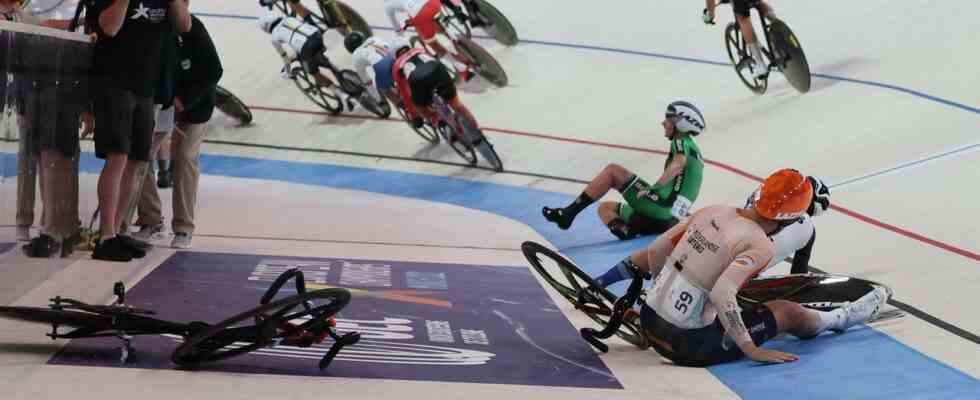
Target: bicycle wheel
458,143
231,105
480,142
228,338
739,56
569,282
427,132
790,58
355,22
327,101
57,317
486,65
499,26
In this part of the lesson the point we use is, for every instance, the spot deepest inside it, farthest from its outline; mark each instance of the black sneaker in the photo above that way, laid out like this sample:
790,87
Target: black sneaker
621,230
558,216
43,246
112,250
138,247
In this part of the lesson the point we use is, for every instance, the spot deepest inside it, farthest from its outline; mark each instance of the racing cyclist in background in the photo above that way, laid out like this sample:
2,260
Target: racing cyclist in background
373,58
418,77
649,209
422,15
691,314
742,10
298,39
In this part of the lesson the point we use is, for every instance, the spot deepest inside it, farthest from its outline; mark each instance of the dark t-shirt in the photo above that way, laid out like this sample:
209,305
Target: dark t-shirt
130,60
199,71
165,87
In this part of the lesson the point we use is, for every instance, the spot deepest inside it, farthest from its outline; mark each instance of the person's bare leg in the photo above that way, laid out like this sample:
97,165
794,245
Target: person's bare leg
612,176
608,211
57,190
108,189
806,323
128,185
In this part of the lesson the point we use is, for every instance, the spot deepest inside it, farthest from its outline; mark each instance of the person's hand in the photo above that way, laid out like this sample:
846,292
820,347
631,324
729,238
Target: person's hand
768,356
178,105
88,124
708,16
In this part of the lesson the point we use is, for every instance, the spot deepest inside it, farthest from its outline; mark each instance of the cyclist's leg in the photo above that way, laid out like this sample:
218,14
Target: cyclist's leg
423,83
743,14
312,58
612,176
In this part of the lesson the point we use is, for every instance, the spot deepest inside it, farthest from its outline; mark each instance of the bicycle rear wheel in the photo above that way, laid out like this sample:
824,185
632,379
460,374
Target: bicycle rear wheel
355,22
500,27
427,132
738,54
228,339
486,65
569,281
480,143
306,84
791,59
231,105
57,317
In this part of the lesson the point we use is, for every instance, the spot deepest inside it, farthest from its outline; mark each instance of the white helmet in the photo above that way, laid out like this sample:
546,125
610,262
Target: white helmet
821,197
268,21
689,118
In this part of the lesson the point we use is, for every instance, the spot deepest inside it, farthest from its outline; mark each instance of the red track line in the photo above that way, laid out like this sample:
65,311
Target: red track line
901,231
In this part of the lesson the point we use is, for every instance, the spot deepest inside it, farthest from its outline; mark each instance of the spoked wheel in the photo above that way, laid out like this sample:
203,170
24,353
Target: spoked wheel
427,132
455,23
499,27
351,84
569,281
231,105
458,143
480,143
306,84
276,320
738,54
486,65
355,22
789,56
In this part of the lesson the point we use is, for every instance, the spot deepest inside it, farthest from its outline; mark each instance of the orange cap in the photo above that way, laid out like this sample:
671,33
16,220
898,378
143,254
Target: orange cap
784,195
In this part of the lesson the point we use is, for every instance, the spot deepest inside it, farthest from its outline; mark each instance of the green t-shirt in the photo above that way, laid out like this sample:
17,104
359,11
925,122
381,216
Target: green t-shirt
688,183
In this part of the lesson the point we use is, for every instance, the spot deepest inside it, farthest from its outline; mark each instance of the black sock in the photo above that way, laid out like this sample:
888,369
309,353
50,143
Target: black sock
578,205
163,164
619,228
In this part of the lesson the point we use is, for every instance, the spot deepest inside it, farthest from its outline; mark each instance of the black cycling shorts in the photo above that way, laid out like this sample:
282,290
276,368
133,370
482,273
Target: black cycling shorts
742,7
311,55
705,346
431,77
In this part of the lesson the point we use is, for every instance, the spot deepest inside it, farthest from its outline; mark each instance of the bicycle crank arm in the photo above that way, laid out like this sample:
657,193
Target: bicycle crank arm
339,343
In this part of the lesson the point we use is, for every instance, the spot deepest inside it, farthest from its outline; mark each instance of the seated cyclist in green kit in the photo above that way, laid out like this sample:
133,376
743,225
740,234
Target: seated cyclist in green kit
648,210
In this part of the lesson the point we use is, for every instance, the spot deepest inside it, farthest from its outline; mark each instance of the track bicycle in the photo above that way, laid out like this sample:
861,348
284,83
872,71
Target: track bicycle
348,82
300,320
463,136
335,15
616,315
234,107
476,58
466,15
782,50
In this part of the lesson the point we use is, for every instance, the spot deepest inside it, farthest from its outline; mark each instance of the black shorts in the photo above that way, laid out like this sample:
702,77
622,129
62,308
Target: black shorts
123,123
311,55
705,346
431,77
51,116
743,7
645,225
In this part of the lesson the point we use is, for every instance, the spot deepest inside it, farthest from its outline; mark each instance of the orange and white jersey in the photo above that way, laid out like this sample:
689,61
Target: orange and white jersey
716,246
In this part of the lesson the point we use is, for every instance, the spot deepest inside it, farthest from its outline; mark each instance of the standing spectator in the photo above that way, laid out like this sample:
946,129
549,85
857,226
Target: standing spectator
50,109
197,82
125,67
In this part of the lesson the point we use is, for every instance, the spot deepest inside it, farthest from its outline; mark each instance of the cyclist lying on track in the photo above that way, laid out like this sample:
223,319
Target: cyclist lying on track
419,77
648,209
422,15
301,39
742,10
691,315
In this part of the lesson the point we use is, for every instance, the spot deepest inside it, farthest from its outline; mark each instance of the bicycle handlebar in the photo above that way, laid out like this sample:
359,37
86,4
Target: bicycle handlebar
616,319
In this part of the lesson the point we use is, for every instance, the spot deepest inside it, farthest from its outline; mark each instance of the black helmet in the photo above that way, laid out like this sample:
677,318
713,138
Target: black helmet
353,40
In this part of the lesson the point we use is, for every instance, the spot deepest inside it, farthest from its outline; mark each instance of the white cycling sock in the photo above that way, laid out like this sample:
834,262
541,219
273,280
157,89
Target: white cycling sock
756,53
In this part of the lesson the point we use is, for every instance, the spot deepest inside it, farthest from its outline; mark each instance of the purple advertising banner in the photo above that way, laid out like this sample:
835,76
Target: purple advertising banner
419,321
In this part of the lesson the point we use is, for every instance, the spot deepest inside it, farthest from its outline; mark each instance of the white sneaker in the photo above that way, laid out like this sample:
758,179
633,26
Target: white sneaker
865,308
148,232
759,70
23,234
181,241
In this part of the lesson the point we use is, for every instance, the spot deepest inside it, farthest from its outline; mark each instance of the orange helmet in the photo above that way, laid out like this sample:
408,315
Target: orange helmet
784,195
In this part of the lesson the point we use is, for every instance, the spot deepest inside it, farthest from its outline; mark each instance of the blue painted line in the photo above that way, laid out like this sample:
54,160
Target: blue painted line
860,364
905,165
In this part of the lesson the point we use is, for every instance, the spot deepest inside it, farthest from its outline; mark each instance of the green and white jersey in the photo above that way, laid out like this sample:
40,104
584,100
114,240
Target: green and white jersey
688,183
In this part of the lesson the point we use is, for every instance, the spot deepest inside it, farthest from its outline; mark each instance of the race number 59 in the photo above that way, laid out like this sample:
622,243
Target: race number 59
683,301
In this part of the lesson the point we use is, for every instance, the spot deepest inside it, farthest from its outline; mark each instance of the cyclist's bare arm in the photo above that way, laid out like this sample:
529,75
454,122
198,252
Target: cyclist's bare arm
653,258
675,168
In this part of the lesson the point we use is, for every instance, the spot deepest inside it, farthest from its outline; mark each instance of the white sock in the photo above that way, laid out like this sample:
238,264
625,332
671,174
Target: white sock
831,319
756,53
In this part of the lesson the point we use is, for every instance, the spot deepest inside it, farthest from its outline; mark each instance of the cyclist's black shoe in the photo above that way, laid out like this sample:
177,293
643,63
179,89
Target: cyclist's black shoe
112,250
136,246
621,230
558,216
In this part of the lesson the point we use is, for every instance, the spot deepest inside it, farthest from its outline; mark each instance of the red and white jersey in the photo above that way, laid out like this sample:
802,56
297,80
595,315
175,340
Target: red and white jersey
402,70
408,7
